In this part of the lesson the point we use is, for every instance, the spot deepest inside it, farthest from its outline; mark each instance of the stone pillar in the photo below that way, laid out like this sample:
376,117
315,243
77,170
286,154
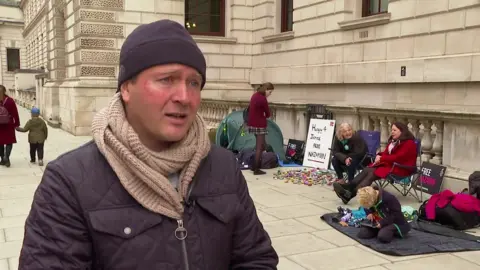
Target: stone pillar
384,132
427,140
93,38
376,123
437,147
55,38
415,127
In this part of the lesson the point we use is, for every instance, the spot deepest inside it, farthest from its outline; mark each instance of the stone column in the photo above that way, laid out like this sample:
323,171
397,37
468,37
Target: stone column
415,127
437,147
55,38
426,140
92,52
384,134
376,123
300,124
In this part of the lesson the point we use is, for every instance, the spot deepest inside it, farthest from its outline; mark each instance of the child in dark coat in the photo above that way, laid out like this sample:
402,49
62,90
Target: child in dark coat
37,135
383,209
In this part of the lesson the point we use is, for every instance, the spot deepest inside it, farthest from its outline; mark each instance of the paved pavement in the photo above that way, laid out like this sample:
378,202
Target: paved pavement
289,212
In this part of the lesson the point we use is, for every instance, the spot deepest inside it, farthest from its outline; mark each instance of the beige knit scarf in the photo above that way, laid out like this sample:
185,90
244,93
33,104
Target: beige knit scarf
142,172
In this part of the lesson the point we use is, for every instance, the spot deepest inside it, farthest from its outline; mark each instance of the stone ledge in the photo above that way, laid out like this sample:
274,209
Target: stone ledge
213,39
279,37
365,21
412,113
244,103
457,174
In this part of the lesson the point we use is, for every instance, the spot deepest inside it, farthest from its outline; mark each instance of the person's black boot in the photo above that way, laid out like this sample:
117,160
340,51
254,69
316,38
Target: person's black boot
259,172
343,191
2,162
256,167
7,163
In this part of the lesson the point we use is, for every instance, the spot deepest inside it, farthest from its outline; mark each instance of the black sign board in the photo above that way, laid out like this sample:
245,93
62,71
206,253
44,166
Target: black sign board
295,151
431,178
403,71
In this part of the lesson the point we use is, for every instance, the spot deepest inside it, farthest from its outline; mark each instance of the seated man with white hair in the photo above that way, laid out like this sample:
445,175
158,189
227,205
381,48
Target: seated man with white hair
348,150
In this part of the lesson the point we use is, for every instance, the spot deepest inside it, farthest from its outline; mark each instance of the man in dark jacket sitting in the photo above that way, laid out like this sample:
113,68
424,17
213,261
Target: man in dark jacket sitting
149,192
348,150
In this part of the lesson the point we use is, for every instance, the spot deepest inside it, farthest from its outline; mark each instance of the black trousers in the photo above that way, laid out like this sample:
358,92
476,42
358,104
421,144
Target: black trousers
384,235
365,178
36,148
5,151
340,166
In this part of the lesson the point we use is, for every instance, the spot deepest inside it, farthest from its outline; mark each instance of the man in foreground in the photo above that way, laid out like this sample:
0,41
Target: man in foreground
149,192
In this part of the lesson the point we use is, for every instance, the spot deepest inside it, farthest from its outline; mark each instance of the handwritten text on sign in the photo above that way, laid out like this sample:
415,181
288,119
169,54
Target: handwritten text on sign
319,140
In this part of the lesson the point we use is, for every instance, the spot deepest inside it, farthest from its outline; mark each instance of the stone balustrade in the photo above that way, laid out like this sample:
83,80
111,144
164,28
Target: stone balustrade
448,138
425,125
23,97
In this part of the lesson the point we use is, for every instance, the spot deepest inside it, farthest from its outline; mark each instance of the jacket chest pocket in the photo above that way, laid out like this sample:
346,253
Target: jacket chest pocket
127,237
217,221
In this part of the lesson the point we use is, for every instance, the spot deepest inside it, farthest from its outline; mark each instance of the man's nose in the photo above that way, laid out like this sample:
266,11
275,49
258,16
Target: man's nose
181,93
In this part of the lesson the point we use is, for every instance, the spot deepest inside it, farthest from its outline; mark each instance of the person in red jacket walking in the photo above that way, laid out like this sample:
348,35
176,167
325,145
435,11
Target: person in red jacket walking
401,149
258,113
9,120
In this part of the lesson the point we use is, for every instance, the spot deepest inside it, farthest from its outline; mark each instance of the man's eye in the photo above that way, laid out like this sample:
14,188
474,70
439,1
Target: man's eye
166,80
195,83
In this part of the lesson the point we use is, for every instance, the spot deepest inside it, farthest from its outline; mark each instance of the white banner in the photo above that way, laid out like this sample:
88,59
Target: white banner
319,142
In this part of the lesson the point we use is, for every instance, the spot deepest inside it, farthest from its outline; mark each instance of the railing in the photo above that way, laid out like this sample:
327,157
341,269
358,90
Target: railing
23,97
290,117
448,138
213,111
426,126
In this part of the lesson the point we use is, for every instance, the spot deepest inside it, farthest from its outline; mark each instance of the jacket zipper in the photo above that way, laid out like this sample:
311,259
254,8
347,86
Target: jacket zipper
181,235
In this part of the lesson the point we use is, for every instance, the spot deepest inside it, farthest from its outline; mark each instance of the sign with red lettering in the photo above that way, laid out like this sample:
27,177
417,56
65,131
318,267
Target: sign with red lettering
431,178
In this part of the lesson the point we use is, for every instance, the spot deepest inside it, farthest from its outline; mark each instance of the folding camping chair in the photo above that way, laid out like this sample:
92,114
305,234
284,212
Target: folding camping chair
405,184
372,139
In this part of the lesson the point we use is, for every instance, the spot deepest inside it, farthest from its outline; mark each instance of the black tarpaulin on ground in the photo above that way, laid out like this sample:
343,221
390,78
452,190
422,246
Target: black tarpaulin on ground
416,242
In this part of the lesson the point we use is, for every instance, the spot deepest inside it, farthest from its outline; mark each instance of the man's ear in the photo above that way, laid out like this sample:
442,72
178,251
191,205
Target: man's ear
125,91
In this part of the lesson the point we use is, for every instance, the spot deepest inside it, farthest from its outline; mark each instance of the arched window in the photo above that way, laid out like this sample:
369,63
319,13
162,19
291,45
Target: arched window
205,17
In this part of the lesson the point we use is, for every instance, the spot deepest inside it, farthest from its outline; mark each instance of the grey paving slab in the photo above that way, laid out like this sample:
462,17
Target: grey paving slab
290,213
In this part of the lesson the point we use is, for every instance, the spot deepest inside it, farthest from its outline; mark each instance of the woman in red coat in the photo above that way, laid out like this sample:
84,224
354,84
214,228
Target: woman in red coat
401,149
258,112
9,120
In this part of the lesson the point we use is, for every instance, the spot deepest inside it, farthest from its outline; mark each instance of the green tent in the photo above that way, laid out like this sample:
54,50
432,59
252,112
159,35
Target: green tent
233,135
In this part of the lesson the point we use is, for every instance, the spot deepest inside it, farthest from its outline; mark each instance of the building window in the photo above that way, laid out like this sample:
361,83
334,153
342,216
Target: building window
13,59
205,17
373,7
287,15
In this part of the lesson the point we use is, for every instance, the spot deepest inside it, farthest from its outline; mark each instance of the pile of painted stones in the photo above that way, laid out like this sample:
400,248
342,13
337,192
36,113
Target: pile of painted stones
305,176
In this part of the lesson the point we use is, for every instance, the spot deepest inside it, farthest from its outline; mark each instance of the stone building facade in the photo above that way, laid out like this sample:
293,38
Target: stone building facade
12,52
371,61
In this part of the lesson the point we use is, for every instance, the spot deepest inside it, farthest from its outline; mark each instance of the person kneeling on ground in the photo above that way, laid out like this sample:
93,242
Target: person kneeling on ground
401,149
349,148
385,210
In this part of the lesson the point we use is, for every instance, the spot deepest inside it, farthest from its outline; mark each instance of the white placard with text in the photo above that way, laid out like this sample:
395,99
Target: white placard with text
319,142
